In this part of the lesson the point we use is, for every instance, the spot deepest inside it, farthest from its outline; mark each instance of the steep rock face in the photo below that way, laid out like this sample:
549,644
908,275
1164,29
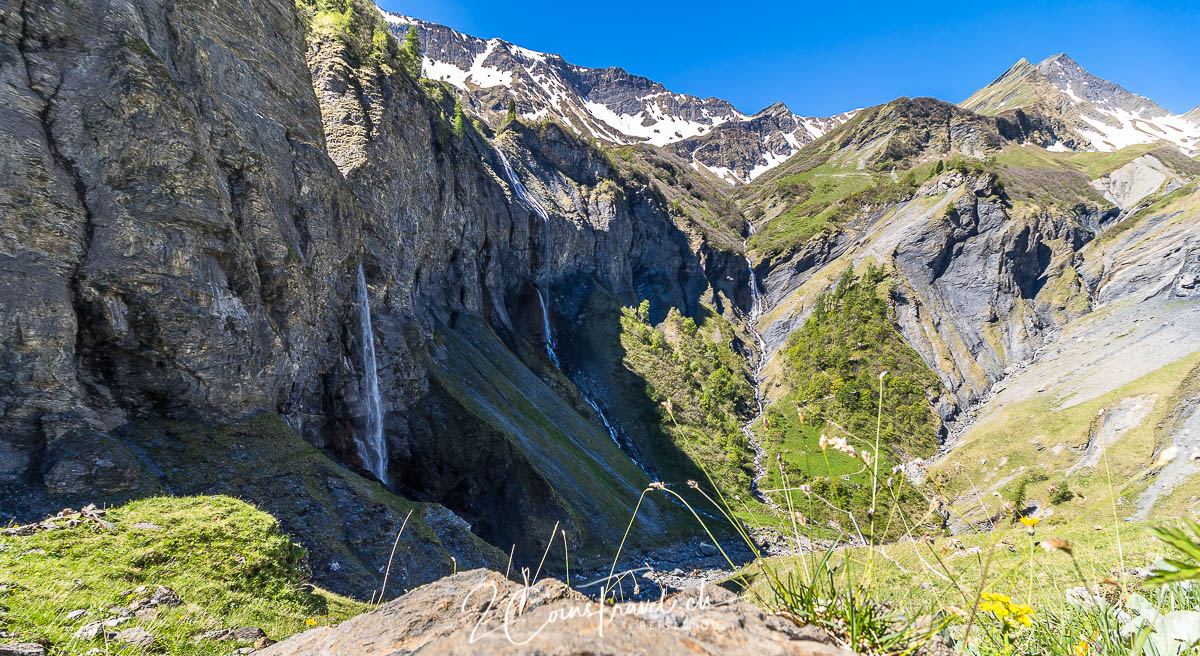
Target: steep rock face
176,241
985,289
981,287
183,224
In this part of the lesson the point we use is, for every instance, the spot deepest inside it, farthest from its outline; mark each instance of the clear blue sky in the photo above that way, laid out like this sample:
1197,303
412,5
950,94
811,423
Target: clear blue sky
828,57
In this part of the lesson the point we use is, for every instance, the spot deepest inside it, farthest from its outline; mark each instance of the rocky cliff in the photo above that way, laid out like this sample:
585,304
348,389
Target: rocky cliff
248,251
189,200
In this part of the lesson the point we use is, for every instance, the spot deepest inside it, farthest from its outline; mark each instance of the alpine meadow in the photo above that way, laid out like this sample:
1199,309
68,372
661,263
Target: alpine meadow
330,330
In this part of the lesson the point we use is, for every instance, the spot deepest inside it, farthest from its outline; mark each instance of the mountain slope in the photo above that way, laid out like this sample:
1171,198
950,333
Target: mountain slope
609,104
1101,115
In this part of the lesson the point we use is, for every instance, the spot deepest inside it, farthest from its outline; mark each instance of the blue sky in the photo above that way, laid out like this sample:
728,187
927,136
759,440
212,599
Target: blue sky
825,58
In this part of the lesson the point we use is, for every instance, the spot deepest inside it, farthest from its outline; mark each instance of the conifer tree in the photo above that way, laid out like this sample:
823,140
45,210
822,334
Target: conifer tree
411,50
460,121
512,111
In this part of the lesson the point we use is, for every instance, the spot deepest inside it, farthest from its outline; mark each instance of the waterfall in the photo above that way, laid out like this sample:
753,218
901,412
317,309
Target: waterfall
759,363
529,201
612,433
372,449
518,188
548,333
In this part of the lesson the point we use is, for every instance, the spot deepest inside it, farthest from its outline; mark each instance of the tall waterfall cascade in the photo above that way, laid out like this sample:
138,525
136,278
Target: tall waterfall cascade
372,449
759,362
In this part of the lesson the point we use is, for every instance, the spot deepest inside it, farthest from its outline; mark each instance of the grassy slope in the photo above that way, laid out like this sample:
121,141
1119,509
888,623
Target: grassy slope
228,561
337,515
691,364
595,480
1021,439
928,575
1020,86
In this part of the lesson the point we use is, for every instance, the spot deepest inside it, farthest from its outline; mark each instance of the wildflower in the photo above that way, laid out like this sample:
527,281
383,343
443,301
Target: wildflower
866,456
1004,612
1031,522
657,485
882,375
694,485
310,622
823,442
1081,648
806,488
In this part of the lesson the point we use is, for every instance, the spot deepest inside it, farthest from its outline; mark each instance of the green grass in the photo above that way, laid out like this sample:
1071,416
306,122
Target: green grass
318,501
361,30
944,578
1092,164
1035,436
814,205
228,562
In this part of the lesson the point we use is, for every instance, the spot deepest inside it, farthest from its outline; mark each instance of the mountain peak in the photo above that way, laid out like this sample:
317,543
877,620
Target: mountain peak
1089,112
1074,80
774,109
610,104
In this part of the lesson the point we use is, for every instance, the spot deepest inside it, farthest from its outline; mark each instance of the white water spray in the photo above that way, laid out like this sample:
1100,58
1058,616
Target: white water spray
372,449
530,202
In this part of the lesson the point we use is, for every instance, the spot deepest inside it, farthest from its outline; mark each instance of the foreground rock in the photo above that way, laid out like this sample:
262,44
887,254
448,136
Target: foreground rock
482,612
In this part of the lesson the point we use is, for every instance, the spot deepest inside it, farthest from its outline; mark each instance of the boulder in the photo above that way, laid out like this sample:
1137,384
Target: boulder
466,614
137,637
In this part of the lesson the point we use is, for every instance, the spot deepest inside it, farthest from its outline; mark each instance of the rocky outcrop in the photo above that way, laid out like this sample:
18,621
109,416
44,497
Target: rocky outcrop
482,612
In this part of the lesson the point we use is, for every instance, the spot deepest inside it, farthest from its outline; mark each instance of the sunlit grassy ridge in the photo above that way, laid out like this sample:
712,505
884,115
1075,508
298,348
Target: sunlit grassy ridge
228,562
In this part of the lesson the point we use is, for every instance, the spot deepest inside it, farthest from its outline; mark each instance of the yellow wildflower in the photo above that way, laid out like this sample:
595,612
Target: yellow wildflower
310,621
1081,648
1031,522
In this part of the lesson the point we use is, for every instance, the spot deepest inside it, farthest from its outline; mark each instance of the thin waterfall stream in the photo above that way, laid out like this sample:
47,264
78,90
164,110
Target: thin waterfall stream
758,363
372,449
